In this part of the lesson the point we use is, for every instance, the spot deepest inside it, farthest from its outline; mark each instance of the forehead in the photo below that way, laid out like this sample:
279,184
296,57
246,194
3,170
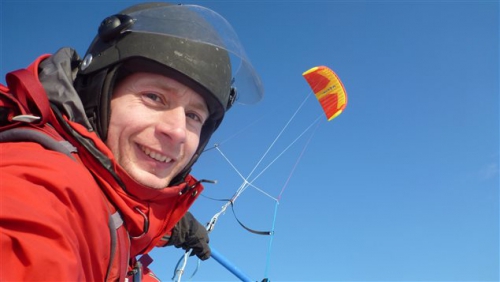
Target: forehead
144,81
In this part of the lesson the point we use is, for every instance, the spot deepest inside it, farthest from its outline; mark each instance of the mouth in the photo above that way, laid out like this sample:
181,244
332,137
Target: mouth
155,155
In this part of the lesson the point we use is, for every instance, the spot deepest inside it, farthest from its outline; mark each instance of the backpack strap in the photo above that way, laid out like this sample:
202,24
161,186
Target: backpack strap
119,237
26,134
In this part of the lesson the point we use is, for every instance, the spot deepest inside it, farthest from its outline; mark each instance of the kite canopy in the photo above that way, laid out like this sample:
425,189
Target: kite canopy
328,89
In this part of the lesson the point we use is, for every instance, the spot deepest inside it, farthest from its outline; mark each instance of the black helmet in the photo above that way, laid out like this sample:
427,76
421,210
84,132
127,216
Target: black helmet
189,43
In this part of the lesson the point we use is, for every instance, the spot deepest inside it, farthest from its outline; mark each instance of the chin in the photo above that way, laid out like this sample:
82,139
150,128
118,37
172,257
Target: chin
152,181
158,184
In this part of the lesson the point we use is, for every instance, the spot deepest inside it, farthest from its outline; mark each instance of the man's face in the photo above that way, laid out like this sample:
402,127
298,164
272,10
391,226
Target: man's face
155,127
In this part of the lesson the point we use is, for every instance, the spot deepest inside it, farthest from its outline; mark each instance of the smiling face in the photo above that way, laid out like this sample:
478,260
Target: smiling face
155,127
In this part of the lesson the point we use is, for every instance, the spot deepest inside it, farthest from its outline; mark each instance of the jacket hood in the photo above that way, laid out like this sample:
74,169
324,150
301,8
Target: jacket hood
57,73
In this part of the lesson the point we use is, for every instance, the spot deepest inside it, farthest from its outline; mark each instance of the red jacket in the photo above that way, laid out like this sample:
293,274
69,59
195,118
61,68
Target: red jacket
56,213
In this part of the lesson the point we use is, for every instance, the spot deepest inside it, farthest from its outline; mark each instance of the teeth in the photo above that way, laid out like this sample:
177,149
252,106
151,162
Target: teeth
155,155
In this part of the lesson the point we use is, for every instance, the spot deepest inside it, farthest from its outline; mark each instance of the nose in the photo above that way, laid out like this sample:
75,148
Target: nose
172,124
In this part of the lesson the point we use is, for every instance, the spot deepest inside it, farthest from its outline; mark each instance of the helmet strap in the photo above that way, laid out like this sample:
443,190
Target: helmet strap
104,113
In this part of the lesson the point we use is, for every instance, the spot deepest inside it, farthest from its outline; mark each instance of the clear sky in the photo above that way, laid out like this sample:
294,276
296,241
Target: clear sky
403,186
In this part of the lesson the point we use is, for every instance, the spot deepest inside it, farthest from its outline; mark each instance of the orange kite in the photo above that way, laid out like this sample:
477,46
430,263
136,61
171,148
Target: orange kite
328,89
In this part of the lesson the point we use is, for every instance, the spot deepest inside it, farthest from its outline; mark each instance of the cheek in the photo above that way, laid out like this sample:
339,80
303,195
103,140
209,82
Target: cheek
118,122
192,143
113,135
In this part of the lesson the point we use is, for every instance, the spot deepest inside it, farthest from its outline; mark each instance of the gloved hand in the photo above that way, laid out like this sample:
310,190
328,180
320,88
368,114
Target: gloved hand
188,233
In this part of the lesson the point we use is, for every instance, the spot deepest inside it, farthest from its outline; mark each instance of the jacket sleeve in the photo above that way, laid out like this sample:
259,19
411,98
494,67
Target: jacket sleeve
45,230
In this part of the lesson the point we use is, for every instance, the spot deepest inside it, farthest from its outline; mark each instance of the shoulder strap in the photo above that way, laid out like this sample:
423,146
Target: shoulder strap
25,101
26,111
119,248
26,134
30,93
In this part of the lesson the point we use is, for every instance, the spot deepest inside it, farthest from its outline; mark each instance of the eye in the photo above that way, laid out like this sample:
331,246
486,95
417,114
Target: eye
152,96
196,117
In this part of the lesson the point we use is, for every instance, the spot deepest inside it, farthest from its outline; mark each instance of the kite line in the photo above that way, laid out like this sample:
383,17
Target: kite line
330,92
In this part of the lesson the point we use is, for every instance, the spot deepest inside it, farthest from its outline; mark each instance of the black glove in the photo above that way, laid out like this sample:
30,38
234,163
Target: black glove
188,233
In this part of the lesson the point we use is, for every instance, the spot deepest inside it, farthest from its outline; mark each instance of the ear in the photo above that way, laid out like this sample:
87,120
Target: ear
112,26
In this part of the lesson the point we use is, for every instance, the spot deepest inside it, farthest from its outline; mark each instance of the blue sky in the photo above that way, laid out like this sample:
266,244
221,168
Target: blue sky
403,186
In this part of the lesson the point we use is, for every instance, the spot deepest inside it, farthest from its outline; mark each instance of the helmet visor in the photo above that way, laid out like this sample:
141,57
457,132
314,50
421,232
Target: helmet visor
189,22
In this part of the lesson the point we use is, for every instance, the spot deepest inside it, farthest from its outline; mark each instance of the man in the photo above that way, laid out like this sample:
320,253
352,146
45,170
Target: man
133,117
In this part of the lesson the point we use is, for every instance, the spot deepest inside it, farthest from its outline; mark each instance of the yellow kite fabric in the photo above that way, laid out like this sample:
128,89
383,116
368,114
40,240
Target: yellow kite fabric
328,89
